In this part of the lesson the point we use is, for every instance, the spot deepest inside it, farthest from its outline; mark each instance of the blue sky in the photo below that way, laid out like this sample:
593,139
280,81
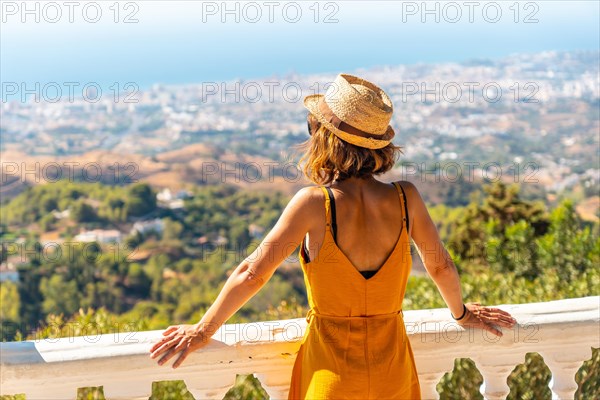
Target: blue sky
186,41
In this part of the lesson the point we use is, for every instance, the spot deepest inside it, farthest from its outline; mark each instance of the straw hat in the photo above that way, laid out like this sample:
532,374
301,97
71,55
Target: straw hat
355,110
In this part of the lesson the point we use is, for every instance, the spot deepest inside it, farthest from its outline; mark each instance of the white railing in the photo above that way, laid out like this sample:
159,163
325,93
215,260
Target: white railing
563,332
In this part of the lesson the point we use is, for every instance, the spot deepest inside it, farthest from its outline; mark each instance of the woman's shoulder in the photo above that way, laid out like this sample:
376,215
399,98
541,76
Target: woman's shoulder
310,192
408,187
411,191
303,208
309,196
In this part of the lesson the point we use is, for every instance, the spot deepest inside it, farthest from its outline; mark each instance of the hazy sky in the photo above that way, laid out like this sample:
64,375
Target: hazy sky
187,41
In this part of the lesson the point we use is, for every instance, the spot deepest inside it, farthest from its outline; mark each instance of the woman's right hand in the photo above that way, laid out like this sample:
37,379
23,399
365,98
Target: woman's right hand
486,318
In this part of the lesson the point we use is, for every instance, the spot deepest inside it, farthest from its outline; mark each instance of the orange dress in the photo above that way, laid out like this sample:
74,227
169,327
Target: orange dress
355,345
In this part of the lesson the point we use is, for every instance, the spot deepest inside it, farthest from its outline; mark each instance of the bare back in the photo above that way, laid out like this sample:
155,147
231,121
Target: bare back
369,222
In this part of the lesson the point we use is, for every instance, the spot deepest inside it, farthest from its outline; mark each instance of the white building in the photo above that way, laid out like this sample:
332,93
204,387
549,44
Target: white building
100,236
167,199
154,225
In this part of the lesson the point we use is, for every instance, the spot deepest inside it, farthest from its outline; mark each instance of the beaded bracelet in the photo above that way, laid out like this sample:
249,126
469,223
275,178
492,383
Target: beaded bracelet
463,314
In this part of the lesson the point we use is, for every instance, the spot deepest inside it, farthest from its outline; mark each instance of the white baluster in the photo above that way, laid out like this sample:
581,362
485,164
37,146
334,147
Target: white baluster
430,372
212,385
118,390
276,383
564,365
495,369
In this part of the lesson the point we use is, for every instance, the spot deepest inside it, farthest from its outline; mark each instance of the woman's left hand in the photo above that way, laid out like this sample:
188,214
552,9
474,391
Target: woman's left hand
486,318
179,339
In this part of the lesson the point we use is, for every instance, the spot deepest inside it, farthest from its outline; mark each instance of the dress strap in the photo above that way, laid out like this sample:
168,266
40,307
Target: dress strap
330,211
329,218
402,195
333,213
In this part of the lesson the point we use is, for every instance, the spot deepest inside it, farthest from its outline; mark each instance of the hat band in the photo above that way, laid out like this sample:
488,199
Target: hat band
333,119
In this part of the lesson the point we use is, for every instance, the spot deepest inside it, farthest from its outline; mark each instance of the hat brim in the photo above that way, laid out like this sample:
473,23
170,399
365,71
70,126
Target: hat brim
311,103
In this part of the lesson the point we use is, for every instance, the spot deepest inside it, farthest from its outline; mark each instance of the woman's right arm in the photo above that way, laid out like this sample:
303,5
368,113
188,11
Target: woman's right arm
441,268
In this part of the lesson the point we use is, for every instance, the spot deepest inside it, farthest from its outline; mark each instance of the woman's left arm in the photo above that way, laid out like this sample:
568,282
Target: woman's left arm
245,281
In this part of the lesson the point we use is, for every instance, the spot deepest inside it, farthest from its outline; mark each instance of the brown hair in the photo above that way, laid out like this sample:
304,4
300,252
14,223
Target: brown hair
328,157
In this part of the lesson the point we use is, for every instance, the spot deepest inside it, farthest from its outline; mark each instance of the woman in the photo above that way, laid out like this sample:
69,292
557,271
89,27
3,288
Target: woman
355,254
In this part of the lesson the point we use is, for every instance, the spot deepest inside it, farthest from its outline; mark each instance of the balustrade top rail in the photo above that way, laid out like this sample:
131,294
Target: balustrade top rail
562,331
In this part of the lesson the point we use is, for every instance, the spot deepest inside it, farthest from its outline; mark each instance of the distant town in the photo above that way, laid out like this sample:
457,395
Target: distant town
531,115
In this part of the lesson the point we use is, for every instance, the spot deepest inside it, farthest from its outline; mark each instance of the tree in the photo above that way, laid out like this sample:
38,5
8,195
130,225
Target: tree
172,230
141,200
60,296
239,235
567,246
500,209
49,204
9,302
504,204
514,249
82,212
